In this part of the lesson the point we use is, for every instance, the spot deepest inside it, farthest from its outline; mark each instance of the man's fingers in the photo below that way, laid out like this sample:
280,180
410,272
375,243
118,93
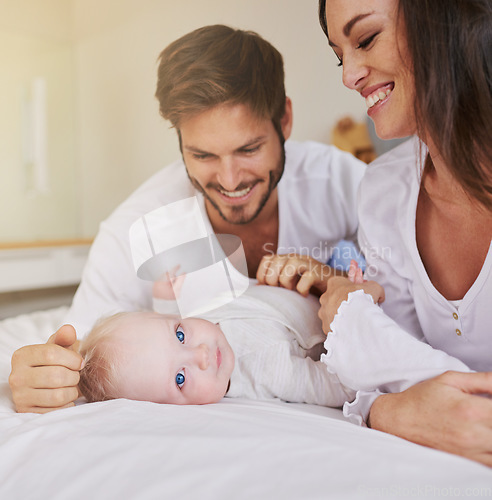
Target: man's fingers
263,269
274,270
46,355
39,409
50,377
289,275
305,283
46,398
65,336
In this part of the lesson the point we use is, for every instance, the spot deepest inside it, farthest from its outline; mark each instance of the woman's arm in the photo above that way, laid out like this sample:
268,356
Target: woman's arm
447,412
427,398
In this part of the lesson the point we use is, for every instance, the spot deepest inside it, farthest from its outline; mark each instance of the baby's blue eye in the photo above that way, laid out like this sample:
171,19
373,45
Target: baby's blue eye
180,334
180,379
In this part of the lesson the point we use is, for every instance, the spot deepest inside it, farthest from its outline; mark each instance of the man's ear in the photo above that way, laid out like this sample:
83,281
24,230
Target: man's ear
287,119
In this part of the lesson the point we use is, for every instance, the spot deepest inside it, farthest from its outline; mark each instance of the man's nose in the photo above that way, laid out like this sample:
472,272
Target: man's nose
201,355
229,176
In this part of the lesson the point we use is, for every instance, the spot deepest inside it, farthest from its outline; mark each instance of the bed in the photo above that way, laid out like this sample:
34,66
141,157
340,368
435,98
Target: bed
236,449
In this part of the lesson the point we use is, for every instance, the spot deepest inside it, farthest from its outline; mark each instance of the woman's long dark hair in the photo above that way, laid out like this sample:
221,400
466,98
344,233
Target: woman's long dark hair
450,45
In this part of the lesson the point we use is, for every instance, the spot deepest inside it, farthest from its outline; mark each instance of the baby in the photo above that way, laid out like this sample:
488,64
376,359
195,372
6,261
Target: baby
265,344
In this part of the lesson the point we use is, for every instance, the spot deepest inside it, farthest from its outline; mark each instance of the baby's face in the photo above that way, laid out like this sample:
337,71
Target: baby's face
172,360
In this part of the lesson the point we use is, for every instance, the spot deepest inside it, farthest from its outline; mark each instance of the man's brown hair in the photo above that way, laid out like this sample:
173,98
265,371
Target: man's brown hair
217,65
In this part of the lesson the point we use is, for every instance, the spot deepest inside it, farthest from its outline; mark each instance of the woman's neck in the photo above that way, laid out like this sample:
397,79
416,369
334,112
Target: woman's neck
441,186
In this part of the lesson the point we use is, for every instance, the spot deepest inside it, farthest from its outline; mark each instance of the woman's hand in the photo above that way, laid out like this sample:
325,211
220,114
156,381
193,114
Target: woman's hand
295,272
338,289
45,377
446,412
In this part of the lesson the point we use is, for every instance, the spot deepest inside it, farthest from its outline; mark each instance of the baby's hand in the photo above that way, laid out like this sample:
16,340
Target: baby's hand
294,272
168,286
355,273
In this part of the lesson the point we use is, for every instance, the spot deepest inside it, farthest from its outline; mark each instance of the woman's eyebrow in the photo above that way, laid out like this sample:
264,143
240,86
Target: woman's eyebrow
348,27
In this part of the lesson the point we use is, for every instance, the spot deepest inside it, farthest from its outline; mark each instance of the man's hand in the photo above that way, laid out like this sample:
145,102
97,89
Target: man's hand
445,412
338,289
44,377
295,272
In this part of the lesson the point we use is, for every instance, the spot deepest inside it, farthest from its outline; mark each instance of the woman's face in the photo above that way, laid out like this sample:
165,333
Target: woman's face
369,39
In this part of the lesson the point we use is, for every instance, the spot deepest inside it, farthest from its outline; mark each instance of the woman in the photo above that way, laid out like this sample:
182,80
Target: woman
424,67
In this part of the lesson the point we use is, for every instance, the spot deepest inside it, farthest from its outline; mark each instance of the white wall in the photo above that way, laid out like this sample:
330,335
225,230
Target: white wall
35,42
121,138
46,19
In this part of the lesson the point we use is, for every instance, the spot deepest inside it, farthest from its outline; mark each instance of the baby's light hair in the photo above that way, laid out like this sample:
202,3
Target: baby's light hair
98,376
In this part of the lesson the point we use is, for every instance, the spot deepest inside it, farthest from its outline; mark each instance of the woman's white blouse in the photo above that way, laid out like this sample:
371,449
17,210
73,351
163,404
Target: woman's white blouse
458,331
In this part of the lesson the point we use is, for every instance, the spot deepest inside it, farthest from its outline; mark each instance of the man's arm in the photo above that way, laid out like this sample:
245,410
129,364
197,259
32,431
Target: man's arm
44,377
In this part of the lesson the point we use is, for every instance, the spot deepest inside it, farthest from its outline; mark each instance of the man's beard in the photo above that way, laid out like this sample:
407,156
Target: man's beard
238,216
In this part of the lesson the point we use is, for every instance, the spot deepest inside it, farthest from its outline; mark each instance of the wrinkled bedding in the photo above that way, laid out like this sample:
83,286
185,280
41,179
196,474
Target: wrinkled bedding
231,450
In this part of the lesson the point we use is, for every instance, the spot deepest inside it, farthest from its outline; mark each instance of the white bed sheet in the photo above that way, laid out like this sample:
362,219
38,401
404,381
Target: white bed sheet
236,449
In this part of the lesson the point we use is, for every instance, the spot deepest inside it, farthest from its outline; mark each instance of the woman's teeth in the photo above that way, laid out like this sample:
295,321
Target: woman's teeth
236,194
376,97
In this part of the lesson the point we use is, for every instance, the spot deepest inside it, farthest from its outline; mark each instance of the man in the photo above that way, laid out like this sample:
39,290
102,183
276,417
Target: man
223,91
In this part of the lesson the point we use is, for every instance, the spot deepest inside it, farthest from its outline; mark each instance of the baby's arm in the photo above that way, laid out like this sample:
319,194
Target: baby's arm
296,272
303,380
168,286
319,386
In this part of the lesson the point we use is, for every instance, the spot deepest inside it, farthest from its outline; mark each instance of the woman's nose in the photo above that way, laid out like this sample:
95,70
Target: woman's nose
201,356
354,71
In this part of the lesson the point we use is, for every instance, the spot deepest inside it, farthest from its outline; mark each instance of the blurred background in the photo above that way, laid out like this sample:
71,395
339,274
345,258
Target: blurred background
79,124
88,69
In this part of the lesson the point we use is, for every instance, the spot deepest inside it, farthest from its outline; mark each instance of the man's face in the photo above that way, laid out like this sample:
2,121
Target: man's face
235,159
171,360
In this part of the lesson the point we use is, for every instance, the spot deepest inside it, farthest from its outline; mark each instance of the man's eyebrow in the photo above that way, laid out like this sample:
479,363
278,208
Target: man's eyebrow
252,142
348,27
194,149
249,143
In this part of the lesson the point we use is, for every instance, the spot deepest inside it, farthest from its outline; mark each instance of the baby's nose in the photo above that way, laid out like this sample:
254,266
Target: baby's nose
201,354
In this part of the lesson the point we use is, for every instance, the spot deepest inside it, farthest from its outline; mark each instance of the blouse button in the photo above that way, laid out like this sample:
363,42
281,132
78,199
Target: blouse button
458,332
455,316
